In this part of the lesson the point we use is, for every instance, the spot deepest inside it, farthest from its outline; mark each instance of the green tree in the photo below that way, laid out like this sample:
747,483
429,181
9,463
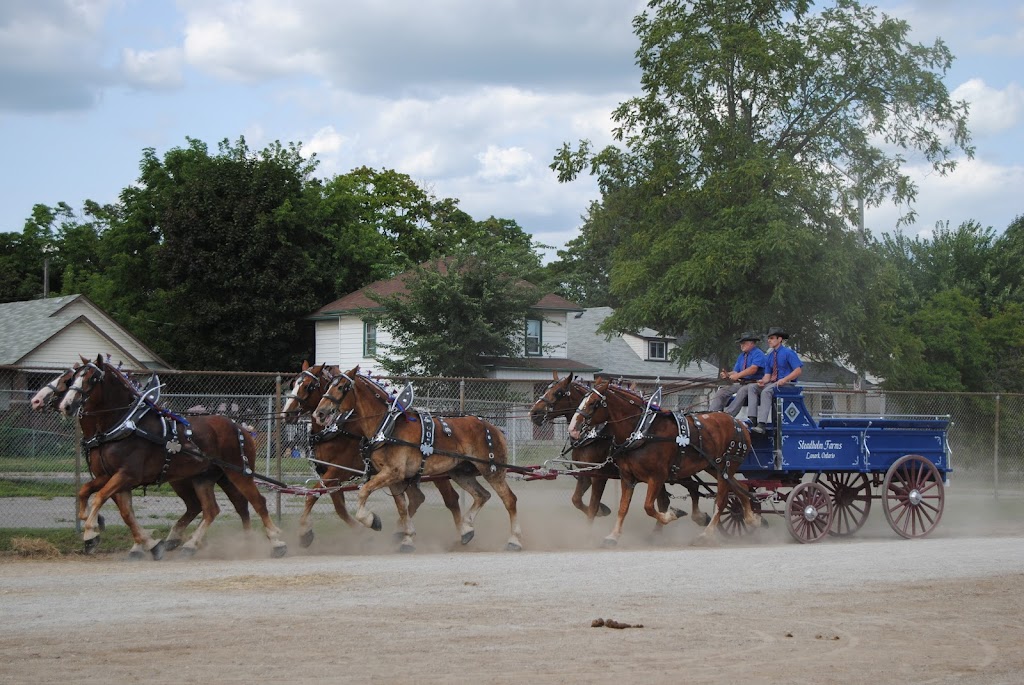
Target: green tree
457,310
760,125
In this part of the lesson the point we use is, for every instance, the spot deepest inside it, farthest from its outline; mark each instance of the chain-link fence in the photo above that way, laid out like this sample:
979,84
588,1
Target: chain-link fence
41,465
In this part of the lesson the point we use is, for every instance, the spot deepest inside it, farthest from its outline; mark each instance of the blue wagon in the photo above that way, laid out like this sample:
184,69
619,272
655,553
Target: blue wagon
902,461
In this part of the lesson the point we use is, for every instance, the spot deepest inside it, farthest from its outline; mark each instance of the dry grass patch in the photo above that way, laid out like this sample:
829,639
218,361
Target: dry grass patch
34,548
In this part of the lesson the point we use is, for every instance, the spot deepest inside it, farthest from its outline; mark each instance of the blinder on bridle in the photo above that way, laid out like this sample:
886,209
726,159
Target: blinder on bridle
314,384
594,406
95,379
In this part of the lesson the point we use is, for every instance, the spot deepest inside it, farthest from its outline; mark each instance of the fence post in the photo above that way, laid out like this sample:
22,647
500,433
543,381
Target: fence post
462,395
277,440
995,466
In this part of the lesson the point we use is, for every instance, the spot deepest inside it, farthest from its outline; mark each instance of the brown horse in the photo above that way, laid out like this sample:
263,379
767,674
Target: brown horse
130,442
559,400
655,447
50,394
461,447
338,458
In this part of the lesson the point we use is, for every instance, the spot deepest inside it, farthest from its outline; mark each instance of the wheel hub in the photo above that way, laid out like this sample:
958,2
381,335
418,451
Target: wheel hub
810,513
915,497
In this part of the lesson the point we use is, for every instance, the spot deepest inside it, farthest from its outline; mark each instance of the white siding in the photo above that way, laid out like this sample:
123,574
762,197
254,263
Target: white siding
639,345
120,336
350,345
326,348
554,335
78,339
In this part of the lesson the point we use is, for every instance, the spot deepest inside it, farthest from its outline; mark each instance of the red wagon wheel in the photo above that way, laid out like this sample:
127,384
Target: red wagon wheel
913,496
809,512
731,522
851,500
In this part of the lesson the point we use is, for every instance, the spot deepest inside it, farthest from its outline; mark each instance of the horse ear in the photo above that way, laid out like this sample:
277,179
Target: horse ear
99,359
305,365
84,360
554,374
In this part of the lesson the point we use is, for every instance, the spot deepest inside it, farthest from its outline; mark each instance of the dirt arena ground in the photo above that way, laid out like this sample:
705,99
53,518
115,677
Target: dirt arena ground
873,608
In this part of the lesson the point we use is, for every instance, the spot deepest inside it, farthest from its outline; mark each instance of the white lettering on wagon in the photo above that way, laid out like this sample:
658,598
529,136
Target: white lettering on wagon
826,448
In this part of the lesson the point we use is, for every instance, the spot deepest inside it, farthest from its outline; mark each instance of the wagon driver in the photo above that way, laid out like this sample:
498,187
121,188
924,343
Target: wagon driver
749,367
783,367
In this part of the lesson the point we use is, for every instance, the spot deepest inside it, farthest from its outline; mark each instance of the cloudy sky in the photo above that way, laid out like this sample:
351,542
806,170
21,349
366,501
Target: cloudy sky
469,97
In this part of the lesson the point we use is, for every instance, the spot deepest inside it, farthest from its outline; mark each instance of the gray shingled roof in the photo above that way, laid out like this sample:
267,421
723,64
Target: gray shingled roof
28,324
615,357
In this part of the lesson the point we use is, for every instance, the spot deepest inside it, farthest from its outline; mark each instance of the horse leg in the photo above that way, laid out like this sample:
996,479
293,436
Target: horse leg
612,538
238,501
210,508
305,526
248,489
144,542
85,493
721,495
500,486
381,479
656,493
696,515
91,517
583,484
186,491
596,508
451,501
480,495
406,531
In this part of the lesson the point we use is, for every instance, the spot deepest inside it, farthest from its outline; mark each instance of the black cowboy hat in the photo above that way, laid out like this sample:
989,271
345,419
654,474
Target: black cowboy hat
749,336
781,332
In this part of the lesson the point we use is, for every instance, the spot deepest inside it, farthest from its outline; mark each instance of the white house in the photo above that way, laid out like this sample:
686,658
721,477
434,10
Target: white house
52,332
345,338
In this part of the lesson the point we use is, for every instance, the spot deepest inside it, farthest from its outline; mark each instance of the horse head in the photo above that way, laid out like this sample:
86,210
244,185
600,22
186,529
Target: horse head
556,401
50,394
88,393
307,390
334,395
591,409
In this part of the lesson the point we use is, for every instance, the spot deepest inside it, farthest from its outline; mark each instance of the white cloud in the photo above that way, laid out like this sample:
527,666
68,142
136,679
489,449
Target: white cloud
499,164
992,110
159,69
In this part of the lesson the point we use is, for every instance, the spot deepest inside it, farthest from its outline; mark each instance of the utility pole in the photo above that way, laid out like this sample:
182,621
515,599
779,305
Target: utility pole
47,251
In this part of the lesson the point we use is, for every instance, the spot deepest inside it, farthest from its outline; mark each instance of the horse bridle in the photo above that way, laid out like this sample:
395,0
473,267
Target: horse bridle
94,380
56,392
336,383
314,384
549,405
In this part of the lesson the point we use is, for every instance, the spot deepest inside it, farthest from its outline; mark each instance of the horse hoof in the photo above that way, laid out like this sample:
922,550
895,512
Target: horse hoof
135,555
101,525
171,544
306,539
678,513
278,551
466,537
609,542
90,546
707,519
764,522
513,547
398,536
406,548
187,552
603,510
376,525
158,551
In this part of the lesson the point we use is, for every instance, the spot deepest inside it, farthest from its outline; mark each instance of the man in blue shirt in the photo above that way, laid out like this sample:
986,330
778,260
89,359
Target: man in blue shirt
749,368
782,366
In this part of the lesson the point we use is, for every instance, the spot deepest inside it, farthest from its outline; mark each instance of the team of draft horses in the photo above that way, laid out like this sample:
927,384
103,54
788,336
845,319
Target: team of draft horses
362,430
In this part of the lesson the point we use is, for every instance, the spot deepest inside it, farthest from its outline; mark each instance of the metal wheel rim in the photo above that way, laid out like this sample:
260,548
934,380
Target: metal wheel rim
913,496
851,500
809,512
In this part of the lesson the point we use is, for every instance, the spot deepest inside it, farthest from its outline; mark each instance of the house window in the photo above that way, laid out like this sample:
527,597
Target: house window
533,341
656,350
369,338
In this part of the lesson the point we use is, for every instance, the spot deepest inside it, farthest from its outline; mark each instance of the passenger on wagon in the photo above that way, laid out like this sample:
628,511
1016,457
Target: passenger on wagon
749,367
783,366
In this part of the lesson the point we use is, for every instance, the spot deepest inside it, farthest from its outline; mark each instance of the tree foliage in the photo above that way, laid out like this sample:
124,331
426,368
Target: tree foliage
457,310
759,126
